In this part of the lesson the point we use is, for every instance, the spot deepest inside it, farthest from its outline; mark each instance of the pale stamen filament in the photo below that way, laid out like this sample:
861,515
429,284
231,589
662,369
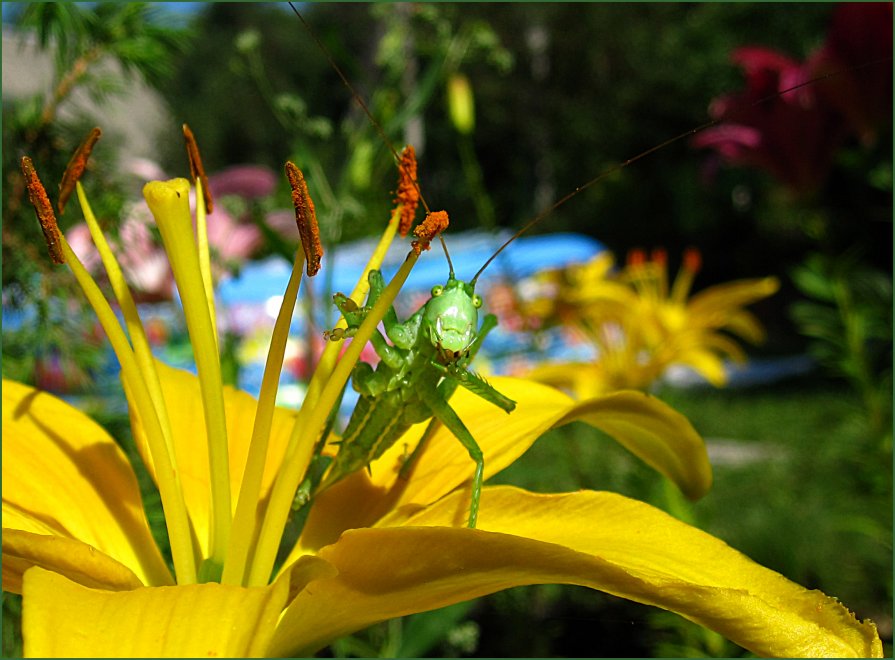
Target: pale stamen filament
137,333
171,495
309,426
250,489
169,203
205,255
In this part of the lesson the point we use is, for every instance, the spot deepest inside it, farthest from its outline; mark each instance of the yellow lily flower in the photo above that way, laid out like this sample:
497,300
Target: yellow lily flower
678,330
376,545
640,325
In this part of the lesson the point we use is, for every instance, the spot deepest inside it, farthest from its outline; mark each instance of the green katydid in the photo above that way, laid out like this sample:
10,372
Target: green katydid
419,370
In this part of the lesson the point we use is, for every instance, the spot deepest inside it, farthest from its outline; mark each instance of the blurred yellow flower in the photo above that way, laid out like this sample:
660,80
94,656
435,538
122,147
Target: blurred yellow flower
640,325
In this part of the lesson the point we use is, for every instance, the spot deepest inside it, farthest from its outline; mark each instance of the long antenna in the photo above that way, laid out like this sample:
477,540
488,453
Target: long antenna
376,125
620,166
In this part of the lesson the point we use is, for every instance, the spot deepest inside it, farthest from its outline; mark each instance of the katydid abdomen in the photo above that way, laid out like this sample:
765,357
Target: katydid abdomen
386,408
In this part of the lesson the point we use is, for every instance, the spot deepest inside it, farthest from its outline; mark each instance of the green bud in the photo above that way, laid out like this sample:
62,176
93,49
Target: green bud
461,103
360,165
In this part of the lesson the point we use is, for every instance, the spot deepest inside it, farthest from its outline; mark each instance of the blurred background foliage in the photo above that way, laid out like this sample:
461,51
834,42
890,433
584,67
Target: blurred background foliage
511,107
97,54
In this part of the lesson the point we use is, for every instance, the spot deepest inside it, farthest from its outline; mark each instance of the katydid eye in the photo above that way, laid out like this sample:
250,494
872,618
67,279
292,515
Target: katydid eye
437,289
476,301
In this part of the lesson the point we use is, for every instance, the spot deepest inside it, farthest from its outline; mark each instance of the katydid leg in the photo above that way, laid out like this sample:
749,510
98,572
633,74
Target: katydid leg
445,390
444,413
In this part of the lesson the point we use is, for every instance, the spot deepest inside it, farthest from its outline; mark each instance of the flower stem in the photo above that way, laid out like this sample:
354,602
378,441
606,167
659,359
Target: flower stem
308,427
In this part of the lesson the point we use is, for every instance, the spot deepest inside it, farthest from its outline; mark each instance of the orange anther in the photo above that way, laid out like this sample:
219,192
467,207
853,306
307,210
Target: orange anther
660,256
408,194
196,169
305,218
435,223
38,196
636,257
75,168
692,259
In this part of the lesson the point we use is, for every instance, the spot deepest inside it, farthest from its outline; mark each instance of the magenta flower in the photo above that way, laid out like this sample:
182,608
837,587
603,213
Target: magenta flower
795,136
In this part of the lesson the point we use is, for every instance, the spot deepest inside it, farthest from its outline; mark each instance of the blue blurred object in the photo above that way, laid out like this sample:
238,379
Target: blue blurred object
342,267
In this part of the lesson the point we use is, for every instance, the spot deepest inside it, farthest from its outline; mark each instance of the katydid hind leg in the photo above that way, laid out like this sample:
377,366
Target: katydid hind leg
446,415
410,461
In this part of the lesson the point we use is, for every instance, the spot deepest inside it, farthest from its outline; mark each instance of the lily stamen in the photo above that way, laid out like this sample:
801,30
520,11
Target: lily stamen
250,489
197,170
407,196
308,427
435,223
204,205
329,380
305,218
327,360
135,329
169,204
131,374
76,167
692,262
38,196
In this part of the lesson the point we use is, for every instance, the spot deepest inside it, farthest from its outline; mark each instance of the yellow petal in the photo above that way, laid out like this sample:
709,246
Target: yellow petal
650,429
358,501
717,302
654,432
744,324
581,379
600,540
78,561
63,619
180,390
705,363
64,476
720,343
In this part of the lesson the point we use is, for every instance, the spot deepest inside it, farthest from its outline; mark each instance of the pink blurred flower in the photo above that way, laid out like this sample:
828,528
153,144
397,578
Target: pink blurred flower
248,181
282,221
792,136
795,136
231,242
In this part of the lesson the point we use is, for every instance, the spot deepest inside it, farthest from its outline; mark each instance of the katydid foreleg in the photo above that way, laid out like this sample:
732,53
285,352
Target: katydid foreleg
403,335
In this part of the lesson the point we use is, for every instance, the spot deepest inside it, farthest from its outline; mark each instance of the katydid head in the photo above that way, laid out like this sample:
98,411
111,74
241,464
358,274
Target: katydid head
451,318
